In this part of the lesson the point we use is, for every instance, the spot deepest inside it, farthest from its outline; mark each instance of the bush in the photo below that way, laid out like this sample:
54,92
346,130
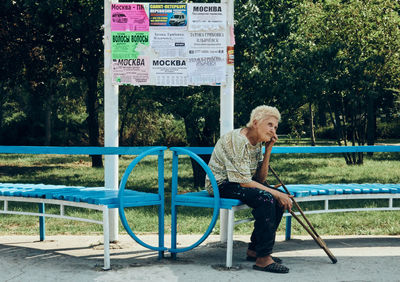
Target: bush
172,132
386,130
326,132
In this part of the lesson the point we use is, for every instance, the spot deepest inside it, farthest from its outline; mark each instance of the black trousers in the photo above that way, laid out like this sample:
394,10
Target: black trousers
266,211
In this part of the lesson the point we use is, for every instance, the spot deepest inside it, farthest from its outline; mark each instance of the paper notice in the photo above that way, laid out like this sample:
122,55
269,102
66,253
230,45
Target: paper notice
129,17
210,16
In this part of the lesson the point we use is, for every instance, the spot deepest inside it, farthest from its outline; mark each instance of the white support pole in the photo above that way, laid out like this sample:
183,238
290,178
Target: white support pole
226,107
106,238
229,243
110,120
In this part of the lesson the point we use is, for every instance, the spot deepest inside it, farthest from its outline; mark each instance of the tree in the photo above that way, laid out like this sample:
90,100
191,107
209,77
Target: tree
52,42
82,36
31,69
362,39
261,29
11,71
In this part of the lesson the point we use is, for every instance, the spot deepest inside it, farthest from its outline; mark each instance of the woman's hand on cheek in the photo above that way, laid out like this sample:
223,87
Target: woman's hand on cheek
273,140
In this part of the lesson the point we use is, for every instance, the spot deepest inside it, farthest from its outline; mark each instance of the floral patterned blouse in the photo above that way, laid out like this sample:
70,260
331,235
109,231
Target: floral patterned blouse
234,159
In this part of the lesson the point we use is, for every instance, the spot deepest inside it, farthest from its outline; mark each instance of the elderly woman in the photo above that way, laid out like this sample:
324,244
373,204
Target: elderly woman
241,169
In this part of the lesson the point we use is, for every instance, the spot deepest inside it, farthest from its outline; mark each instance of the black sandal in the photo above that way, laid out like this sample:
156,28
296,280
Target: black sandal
276,259
273,267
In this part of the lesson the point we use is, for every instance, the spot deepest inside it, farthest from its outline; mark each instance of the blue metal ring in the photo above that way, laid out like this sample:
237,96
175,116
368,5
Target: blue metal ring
122,185
216,199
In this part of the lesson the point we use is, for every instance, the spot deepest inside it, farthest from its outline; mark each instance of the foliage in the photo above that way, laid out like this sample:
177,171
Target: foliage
261,28
387,130
338,58
351,48
143,121
51,46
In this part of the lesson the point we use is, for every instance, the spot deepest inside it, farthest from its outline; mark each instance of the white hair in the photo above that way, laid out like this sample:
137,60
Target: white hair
261,112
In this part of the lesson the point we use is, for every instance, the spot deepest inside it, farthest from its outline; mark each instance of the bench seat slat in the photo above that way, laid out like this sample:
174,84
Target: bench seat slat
91,195
302,190
203,199
101,195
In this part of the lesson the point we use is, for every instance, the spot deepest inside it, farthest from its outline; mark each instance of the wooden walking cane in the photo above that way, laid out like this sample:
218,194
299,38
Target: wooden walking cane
310,228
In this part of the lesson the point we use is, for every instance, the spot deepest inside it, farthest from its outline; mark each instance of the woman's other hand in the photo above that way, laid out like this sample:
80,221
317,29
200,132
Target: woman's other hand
285,200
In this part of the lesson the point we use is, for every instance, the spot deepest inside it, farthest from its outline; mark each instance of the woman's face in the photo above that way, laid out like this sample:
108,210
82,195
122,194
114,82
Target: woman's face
266,128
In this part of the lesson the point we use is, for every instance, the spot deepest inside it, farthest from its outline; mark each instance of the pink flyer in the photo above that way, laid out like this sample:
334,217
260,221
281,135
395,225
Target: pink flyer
129,17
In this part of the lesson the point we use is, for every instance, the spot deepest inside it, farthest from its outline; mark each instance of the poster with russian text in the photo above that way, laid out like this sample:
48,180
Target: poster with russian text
207,57
129,17
210,16
168,66
207,43
131,71
129,64
124,44
169,72
169,42
168,15
129,35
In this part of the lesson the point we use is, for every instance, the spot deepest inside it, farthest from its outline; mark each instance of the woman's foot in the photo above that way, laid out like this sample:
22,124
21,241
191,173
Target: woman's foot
264,261
273,267
251,253
252,256
268,264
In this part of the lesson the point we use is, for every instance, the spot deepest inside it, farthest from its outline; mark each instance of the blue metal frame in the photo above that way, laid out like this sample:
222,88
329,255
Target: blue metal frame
311,150
334,149
288,230
73,150
183,151
160,153
42,229
140,151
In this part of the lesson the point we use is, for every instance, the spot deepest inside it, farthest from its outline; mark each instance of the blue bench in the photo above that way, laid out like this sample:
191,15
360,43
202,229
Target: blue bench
102,199
302,193
96,198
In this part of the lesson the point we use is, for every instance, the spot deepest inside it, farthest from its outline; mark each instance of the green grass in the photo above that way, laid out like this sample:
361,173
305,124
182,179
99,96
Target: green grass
294,168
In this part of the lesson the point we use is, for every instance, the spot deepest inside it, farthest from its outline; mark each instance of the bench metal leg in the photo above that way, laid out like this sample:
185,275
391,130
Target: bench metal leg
161,206
223,225
229,243
173,229
106,238
42,230
288,227
161,230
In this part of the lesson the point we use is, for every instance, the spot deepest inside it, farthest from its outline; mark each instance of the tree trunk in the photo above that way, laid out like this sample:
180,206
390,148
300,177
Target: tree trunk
93,120
195,139
48,119
371,122
2,100
199,175
124,118
312,133
336,124
47,124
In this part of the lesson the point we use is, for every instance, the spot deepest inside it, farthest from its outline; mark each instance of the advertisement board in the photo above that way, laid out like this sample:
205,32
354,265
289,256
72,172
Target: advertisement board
169,44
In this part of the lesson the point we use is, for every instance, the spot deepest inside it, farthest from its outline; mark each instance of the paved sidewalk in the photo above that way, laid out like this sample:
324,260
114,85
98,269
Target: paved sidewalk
79,258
